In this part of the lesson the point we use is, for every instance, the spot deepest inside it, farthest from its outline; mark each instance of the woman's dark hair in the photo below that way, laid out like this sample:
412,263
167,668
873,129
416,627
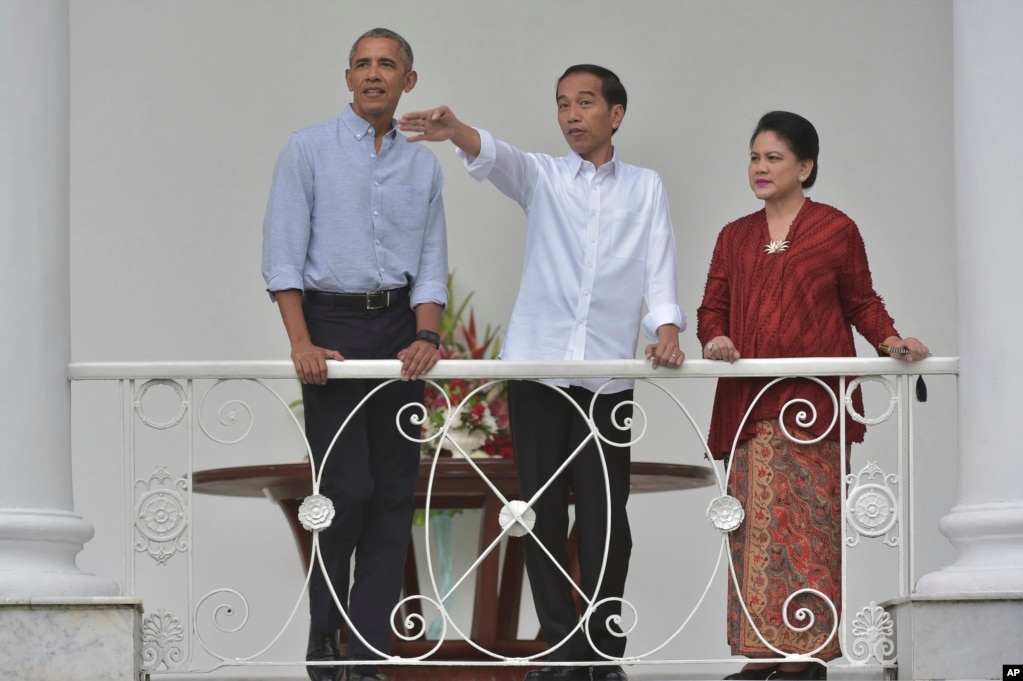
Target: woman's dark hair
611,88
795,131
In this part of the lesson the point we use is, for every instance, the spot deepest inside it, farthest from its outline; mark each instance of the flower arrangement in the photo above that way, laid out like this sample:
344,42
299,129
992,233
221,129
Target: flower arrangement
480,426
476,417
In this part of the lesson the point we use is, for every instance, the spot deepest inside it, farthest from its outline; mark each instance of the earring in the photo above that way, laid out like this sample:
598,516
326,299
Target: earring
801,178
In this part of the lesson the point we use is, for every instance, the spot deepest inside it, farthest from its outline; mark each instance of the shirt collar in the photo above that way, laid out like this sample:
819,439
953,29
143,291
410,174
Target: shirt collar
360,127
575,164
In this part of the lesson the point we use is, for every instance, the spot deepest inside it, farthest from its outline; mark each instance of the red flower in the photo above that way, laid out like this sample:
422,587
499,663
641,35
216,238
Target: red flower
499,445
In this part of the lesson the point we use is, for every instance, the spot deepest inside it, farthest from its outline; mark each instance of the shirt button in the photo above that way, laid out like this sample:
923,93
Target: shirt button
372,155
586,292
377,183
376,212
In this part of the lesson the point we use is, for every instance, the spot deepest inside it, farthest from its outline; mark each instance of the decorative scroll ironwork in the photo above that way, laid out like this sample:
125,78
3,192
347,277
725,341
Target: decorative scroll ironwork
725,514
174,420
163,641
161,516
872,630
893,399
227,415
872,508
162,512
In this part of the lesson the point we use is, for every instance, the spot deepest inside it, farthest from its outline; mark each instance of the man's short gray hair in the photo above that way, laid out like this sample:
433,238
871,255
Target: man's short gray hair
403,47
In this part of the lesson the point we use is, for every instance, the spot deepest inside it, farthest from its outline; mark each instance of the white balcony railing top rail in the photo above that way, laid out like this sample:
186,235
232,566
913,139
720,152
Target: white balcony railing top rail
458,368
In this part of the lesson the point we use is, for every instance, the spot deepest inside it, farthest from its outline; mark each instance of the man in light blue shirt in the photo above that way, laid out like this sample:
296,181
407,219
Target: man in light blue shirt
355,255
599,245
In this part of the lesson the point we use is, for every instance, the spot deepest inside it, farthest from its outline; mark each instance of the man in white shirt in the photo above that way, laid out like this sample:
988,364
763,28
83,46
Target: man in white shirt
599,243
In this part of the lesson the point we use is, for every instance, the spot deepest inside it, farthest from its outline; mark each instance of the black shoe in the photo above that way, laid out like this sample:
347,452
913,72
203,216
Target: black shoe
323,647
366,673
608,674
815,670
559,674
760,673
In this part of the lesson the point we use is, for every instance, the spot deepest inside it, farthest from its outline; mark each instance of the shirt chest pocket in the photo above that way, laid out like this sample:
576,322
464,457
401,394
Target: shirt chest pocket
627,234
404,207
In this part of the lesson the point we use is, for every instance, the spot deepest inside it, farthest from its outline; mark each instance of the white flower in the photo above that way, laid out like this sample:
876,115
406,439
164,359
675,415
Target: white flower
316,512
725,513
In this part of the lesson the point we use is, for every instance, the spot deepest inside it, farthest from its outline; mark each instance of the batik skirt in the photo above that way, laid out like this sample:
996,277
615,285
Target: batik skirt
790,541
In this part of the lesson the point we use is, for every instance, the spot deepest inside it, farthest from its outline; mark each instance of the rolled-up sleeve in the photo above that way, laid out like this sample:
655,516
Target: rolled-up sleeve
661,292
431,283
286,224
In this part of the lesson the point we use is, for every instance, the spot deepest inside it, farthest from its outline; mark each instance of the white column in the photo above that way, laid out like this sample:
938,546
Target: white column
40,534
987,524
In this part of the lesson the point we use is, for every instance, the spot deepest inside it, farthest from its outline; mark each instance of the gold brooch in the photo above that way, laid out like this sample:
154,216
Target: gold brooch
776,246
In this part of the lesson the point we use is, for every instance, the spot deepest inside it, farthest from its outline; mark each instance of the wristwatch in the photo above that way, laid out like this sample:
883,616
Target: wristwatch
429,337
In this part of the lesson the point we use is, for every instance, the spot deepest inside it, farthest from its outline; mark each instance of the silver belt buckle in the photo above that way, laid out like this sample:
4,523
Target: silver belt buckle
369,300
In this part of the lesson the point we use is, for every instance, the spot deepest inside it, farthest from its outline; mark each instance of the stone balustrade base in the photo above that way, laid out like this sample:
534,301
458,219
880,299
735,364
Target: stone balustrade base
85,639
957,637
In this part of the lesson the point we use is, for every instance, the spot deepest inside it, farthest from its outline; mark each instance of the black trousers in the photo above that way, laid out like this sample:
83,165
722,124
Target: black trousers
369,473
546,430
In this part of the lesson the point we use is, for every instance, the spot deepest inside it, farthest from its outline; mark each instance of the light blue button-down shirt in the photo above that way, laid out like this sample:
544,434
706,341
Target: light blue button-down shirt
599,243
344,218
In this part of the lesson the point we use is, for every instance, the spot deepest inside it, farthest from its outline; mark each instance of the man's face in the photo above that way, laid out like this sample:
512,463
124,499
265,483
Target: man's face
377,77
585,117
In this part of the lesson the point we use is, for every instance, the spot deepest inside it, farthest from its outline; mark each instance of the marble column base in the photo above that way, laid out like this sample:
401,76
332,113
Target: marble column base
80,639
957,638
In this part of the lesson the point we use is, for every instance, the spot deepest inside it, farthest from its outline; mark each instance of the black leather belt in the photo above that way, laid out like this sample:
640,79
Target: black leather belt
374,300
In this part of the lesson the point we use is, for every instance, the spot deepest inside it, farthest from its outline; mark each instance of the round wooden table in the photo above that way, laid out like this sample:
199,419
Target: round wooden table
456,485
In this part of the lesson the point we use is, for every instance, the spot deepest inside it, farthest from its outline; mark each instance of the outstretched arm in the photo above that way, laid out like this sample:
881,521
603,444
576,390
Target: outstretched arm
437,125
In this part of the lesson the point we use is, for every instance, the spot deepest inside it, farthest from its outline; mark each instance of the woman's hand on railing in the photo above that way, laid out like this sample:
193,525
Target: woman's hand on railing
721,347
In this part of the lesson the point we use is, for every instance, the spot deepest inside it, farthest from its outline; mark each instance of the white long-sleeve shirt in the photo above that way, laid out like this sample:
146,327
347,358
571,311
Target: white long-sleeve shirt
599,243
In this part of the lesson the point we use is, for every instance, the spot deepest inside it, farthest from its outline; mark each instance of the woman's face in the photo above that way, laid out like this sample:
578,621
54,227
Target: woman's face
774,170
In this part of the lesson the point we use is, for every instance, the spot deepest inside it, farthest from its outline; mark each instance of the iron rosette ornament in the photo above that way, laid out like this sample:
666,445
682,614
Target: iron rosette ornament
316,512
725,513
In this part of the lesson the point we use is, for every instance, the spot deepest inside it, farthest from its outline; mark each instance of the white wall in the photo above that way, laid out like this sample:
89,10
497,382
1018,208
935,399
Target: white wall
179,108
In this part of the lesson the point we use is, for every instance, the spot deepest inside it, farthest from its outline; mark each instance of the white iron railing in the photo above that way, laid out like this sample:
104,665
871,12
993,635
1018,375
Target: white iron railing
172,415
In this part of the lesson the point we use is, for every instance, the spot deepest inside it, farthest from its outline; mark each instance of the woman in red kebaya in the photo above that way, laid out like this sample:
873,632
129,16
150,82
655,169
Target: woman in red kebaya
790,280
